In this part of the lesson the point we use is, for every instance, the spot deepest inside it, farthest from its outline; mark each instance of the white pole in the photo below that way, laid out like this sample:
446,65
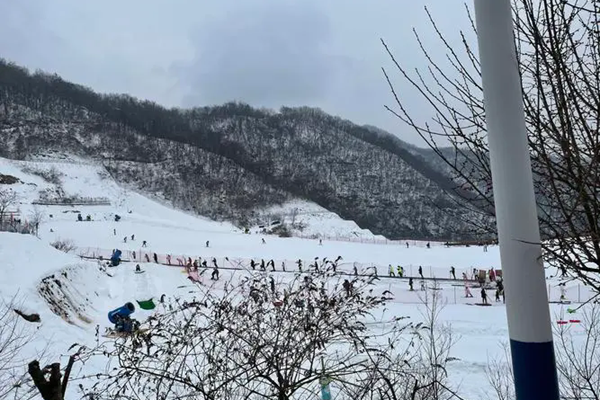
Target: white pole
529,326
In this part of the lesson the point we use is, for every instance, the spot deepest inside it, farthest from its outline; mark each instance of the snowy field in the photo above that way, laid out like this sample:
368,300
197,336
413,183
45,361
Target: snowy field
35,274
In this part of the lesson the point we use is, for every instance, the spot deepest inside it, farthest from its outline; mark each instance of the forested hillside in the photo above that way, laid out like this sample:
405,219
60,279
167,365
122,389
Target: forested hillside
227,161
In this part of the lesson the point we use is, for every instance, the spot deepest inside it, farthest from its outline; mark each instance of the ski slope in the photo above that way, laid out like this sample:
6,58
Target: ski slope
73,296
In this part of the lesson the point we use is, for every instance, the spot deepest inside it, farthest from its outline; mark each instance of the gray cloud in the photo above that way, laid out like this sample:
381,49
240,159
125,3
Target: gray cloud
268,54
265,52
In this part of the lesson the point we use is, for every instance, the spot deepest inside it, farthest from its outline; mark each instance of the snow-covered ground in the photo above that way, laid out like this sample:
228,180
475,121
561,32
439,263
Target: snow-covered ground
42,279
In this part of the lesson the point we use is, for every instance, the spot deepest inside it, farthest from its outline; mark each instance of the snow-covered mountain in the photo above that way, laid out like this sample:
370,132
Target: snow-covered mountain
226,162
72,295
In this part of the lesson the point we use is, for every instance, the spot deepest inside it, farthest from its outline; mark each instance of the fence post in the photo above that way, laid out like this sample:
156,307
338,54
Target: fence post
578,293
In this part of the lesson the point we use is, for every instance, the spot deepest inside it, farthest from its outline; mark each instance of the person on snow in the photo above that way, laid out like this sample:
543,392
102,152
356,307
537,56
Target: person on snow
492,275
215,274
399,270
207,243
428,245
320,242
421,272
132,238
355,270
483,296
147,257
214,261
204,264
422,282
299,263
262,265
453,272
497,299
272,284
144,244
263,241
169,259
347,287
283,266
468,292
272,264
156,258
253,264
125,239
407,245
138,268
392,270
410,284
195,265
115,232
133,254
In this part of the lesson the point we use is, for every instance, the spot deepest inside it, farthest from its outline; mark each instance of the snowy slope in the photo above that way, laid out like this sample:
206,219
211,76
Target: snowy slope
71,309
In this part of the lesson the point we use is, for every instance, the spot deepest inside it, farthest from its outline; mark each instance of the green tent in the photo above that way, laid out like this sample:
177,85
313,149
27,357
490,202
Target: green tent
146,304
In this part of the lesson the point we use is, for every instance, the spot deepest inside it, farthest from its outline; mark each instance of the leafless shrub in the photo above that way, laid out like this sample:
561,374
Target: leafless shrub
65,245
557,43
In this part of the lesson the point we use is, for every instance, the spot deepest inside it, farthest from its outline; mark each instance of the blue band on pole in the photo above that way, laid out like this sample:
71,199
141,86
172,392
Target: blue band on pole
534,363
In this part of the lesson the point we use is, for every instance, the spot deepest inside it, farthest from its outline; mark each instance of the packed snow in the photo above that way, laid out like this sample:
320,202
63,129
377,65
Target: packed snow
73,295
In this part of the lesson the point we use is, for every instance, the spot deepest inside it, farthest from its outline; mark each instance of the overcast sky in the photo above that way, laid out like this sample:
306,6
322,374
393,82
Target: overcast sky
322,53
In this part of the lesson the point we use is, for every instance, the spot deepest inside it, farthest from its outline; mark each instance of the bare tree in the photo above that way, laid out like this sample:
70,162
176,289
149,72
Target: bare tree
36,217
577,361
558,47
8,198
413,369
258,339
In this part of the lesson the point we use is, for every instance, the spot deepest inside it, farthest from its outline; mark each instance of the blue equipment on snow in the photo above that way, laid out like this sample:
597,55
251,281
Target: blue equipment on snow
116,257
122,312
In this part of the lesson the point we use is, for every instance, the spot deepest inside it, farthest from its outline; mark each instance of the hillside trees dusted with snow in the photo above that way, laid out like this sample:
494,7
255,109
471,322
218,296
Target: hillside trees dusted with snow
226,161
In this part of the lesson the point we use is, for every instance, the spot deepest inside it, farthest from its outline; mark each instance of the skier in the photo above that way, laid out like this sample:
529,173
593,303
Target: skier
272,284
347,287
484,296
468,291
138,268
144,244
563,292
132,237
156,258
421,272
410,284
453,272
392,270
